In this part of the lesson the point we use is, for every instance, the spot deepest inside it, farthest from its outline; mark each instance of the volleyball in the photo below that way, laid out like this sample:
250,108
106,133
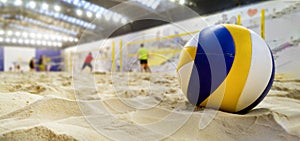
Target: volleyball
227,67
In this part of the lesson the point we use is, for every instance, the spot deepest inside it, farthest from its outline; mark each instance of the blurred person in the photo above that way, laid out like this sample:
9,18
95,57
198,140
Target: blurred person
87,62
143,57
48,63
32,64
41,63
18,68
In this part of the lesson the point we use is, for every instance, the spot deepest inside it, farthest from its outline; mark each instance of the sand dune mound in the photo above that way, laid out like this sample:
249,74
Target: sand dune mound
286,88
49,108
16,100
58,84
39,133
257,125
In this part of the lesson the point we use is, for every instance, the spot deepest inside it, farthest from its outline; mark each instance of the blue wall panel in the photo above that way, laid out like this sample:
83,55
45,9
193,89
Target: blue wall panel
1,58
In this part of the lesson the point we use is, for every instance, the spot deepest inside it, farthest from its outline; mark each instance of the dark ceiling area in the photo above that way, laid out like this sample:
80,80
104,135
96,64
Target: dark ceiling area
137,26
202,7
64,23
211,6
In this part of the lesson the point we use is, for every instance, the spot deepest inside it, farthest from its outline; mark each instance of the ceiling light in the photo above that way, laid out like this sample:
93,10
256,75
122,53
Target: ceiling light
44,43
25,34
7,40
38,42
77,21
60,44
39,35
64,17
9,33
75,2
32,4
1,39
32,42
100,10
52,37
94,8
86,5
46,36
1,32
73,20
20,41
57,15
18,2
71,39
49,43
98,15
45,6
76,40
172,0
26,41
18,33
32,35
81,23
57,8
14,40
4,1
65,38
182,2
78,12
89,14
58,37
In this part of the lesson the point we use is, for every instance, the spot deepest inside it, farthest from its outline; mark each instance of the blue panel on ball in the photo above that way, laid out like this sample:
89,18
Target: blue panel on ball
226,41
265,92
215,52
194,87
201,70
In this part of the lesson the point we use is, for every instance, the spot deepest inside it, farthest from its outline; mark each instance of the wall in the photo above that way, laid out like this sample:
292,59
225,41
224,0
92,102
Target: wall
17,56
11,56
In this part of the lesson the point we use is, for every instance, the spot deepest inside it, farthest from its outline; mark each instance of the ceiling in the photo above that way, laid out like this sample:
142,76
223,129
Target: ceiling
64,23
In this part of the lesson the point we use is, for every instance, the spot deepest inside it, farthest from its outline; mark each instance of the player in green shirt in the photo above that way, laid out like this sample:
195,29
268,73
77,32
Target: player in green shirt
143,57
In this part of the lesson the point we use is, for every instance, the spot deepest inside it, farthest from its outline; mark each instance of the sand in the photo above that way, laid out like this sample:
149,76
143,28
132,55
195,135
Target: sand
134,106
